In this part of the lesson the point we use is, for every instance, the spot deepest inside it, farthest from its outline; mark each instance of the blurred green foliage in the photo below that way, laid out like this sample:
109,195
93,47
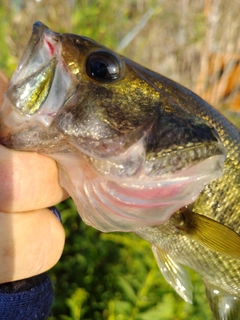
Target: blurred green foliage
114,276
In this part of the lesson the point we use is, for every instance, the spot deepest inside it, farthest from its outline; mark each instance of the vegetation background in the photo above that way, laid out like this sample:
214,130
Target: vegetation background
114,276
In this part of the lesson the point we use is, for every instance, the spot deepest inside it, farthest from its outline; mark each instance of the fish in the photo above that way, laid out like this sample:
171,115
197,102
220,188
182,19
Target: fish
138,153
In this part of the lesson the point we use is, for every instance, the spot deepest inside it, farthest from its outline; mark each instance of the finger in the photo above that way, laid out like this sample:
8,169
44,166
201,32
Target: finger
28,181
31,243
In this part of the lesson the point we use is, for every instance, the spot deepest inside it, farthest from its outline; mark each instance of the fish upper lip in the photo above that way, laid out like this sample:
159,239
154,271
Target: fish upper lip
39,24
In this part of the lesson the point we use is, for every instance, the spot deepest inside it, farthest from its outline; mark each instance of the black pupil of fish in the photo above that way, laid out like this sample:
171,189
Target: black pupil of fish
98,69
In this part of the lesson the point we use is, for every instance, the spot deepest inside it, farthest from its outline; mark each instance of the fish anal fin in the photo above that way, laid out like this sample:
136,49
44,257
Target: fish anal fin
174,274
224,306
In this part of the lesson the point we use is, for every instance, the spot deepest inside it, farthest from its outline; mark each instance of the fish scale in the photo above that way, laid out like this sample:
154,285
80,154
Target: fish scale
137,152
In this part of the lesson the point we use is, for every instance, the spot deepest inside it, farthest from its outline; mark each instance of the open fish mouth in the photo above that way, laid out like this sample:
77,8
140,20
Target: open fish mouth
42,83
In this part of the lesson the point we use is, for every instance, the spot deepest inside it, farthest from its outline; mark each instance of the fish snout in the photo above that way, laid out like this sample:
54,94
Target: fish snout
50,39
42,83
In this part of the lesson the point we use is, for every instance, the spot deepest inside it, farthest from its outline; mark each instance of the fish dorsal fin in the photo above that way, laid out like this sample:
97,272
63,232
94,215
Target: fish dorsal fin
174,274
211,234
223,305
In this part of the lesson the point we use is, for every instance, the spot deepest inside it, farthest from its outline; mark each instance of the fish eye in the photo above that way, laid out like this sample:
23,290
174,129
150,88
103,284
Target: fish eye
103,66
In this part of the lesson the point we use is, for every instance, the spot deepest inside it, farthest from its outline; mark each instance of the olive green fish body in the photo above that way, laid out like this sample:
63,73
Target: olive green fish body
220,201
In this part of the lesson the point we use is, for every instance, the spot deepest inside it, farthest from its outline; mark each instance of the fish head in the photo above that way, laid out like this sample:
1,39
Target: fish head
130,154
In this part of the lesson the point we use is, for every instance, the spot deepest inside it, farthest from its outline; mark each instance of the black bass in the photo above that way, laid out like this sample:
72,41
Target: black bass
137,152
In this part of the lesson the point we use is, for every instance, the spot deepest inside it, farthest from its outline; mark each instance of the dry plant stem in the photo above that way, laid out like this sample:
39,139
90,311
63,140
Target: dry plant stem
3,86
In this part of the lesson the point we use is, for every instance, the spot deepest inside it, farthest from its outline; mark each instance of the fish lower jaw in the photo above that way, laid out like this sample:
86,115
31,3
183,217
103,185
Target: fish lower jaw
180,158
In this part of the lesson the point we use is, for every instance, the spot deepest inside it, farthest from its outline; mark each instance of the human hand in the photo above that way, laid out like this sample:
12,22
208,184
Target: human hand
32,238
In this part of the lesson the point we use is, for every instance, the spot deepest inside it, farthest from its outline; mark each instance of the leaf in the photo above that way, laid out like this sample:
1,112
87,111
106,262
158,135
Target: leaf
162,311
75,303
118,308
127,289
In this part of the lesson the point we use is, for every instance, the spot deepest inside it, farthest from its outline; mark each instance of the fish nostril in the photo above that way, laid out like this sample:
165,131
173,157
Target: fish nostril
56,38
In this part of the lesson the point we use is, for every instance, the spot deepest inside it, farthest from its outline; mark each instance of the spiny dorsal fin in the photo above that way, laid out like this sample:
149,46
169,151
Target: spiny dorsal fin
174,274
210,233
223,305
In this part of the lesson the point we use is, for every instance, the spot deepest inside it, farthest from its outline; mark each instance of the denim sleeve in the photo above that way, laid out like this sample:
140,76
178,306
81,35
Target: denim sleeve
26,299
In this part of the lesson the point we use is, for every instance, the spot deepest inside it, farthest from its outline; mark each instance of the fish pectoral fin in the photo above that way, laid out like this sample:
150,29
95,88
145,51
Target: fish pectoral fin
174,274
223,305
210,233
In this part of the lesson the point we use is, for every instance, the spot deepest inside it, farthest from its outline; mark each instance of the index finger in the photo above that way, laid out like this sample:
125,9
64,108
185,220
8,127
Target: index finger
28,181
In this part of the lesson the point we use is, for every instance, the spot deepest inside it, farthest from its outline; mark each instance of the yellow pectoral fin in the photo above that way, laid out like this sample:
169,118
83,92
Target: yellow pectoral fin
211,233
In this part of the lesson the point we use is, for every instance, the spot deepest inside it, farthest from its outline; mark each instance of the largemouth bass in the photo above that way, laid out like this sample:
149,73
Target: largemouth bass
137,152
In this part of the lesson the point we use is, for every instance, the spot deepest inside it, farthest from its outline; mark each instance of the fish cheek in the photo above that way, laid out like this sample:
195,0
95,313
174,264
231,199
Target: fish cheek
96,103
171,130
83,121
